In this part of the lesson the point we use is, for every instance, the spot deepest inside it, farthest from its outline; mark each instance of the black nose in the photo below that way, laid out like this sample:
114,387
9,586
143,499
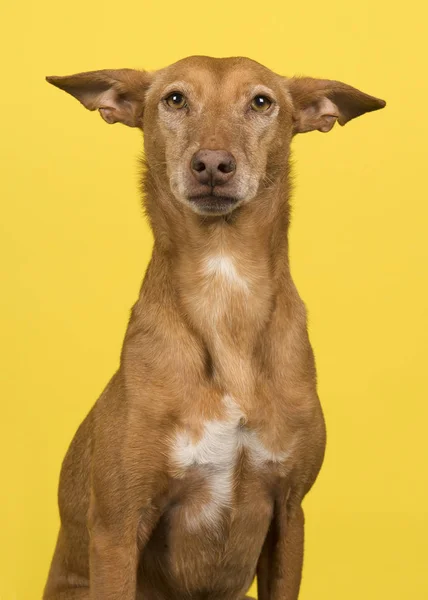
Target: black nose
213,167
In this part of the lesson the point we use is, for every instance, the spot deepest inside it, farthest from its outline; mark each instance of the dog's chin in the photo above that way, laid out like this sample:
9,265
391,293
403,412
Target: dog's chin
212,205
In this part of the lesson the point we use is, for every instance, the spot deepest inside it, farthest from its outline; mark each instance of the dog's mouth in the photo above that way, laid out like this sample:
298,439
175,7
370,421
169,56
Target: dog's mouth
213,204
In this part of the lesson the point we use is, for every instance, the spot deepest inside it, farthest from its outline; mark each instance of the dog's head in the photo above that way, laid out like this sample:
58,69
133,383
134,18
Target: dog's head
219,129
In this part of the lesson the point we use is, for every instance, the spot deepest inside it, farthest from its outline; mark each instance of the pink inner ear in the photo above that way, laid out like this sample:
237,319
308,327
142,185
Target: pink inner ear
328,122
110,108
328,108
107,99
108,114
320,115
327,113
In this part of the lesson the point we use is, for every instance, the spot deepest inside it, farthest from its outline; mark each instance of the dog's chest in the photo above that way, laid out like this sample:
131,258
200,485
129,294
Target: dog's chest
221,291
212,458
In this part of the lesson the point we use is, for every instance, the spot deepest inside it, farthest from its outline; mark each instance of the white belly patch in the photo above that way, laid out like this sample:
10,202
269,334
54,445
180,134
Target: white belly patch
217,451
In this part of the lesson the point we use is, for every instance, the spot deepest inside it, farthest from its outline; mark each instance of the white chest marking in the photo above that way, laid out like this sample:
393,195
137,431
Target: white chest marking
223,266
217,451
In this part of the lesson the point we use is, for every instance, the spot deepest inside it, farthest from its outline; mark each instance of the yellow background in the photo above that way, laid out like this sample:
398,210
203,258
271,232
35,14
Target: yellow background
74,248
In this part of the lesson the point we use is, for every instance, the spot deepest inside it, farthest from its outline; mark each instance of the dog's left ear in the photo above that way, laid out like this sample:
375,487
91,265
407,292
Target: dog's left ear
319,103
118,94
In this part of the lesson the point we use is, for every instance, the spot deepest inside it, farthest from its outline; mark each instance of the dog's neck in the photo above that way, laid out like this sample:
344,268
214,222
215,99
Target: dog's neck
222,278
254,230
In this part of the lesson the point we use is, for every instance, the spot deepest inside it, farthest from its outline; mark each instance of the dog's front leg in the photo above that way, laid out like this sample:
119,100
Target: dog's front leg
115,546
113,566
279,570
127,485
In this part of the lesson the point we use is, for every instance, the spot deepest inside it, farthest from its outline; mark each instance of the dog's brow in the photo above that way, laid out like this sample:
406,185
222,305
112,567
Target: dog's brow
178,86
261,89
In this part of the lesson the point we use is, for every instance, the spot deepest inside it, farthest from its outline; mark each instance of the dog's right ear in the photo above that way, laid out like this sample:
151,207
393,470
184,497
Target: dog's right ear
118,94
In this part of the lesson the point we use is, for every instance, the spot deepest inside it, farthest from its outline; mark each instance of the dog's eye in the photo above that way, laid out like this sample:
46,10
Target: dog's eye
261,103
176,100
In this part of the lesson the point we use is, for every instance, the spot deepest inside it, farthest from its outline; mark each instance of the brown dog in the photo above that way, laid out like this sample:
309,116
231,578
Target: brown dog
187,477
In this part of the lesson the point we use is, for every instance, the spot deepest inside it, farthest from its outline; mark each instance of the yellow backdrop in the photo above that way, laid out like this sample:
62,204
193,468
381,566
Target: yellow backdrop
74,248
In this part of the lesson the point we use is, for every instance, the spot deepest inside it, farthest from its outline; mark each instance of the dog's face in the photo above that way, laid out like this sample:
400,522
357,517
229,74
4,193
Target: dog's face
217,131
216,123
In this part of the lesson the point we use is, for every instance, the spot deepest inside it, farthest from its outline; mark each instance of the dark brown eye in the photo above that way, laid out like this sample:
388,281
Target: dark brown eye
176,100
261,103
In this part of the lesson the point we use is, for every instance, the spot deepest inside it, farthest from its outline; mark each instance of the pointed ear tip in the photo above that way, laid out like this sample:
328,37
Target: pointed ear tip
52,79
381,103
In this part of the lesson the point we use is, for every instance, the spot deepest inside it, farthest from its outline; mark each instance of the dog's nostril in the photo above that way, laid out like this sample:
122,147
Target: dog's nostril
227,167
198,165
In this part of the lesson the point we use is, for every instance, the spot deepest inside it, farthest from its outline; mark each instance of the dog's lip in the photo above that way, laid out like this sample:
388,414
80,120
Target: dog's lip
213,204
215,198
